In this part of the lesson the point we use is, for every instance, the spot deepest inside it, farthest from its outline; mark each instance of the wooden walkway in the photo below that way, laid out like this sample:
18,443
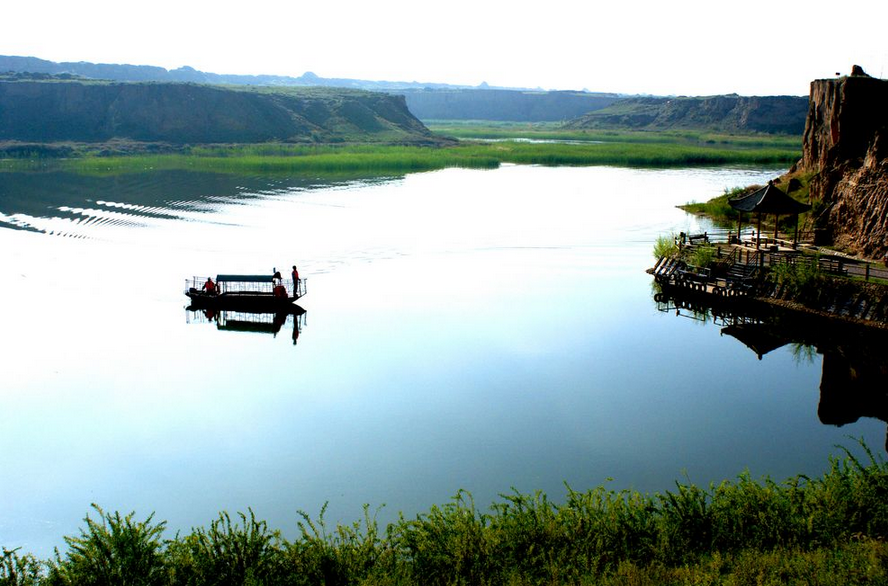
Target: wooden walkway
736,273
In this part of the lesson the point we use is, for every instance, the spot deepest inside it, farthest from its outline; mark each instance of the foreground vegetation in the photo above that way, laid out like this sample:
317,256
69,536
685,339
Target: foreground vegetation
827,530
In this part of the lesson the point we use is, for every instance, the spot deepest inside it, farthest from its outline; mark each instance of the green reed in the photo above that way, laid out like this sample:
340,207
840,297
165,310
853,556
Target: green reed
827,530
557,131
287,159
632,154
382,160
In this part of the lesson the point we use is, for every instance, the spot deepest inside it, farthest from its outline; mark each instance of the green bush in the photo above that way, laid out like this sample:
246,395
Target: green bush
665,246
19,570
702,255
227,553
116,550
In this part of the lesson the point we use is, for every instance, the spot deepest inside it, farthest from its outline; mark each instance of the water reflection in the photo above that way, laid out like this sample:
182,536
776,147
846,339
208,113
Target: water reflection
76,205
854,371
272,323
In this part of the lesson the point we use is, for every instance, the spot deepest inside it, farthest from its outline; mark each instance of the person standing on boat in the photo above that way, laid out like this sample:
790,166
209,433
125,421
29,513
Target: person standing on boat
295,275
210,286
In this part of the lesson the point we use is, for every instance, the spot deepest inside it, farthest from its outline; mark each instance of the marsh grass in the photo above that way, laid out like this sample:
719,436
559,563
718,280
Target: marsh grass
289,159
629,154
827,530
482,129
621,149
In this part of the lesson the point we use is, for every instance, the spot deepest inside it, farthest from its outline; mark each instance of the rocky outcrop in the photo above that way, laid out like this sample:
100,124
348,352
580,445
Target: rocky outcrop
846,148
58,110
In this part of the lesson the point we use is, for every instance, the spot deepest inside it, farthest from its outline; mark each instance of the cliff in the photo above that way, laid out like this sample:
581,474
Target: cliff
846,149
56,110
730,113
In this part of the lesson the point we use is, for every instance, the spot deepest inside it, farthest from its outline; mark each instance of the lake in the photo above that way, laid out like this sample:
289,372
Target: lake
464,329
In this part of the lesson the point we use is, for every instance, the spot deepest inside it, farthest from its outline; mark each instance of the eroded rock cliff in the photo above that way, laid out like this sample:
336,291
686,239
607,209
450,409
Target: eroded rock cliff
732,113
81,111
846,148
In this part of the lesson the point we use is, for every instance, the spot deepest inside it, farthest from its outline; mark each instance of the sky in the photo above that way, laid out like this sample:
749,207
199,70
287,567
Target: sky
683,47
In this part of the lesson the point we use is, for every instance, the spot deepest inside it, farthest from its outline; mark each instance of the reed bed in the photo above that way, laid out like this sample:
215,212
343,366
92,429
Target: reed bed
555,131
287,159
827,530
385,160
629,154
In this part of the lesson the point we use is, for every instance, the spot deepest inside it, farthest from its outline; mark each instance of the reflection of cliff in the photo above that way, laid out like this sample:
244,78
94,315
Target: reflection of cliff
852,386
846,147
854,379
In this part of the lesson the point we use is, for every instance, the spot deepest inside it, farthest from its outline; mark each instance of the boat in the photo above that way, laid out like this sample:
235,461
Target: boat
260,293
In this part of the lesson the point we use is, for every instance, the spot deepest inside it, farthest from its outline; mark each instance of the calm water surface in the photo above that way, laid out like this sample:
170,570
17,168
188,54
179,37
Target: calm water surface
476,330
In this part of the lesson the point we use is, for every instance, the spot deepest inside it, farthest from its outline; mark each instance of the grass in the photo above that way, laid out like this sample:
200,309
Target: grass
665,246
629,149
827,530
481,129
289,159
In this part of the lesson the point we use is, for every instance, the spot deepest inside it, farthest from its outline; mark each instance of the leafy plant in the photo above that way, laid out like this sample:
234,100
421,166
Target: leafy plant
702,255
19,570
665,246
114,550
227,553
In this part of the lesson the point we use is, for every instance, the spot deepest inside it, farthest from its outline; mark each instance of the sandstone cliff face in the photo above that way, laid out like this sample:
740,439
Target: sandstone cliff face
732,113
55,111
846,146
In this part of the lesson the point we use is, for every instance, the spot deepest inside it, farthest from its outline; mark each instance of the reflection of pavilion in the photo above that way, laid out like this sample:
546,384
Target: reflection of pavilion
254,322
854,376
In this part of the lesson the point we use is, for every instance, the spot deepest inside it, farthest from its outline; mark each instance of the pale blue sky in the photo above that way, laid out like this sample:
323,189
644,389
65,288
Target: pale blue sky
684,47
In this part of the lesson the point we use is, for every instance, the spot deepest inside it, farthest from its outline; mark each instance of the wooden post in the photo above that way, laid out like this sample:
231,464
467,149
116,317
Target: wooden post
758,232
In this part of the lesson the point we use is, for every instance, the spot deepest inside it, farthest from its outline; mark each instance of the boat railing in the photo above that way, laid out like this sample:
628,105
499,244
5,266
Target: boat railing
234,286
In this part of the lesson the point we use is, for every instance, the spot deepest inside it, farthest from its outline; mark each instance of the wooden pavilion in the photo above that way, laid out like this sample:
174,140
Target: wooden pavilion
768,200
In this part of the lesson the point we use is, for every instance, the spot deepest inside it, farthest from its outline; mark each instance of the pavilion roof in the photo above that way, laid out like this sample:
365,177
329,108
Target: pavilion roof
760,338
769,200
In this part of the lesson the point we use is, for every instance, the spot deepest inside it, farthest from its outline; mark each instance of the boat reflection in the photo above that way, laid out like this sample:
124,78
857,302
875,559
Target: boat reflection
294,318
854,374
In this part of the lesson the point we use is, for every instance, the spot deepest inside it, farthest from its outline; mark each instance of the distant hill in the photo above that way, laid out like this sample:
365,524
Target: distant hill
729,113
121,72
503,105
54,109
427,101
